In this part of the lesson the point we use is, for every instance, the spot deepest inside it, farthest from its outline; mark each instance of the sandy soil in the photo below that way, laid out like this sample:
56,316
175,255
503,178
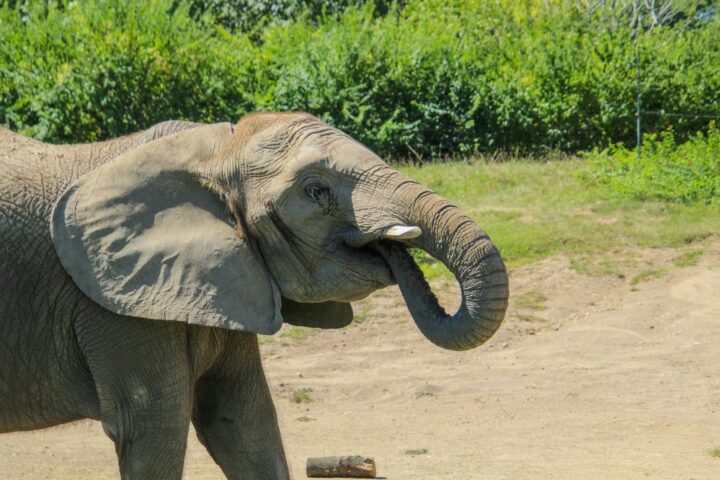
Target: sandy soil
589,378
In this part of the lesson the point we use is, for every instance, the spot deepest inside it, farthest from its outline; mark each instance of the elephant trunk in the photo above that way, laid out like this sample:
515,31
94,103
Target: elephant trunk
458,242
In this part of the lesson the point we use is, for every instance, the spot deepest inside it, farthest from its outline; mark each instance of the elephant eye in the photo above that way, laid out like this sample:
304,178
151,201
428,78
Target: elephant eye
316,192
321,195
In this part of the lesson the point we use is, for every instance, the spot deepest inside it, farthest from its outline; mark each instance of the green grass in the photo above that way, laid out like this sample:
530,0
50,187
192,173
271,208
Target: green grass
688,259
265,340
715,452
595,267
533,300
360,313
416,451
302,396
533,210
524,317
296,333
647,275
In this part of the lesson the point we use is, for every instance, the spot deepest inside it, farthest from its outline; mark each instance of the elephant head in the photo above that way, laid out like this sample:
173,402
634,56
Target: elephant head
280,216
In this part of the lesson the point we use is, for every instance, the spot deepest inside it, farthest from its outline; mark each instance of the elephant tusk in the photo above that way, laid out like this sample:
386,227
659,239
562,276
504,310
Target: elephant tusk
402,232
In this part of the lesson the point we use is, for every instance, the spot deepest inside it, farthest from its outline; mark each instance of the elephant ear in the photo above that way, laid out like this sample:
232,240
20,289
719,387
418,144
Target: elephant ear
141,236
317,315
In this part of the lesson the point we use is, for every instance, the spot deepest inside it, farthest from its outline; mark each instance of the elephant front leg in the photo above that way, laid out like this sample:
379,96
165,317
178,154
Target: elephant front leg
150,444
235,418
144,388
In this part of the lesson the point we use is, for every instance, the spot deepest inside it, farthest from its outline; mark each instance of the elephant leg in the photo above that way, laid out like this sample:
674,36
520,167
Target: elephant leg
235,418
149,443
144,387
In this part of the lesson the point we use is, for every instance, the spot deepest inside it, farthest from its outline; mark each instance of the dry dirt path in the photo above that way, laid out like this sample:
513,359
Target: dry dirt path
590,378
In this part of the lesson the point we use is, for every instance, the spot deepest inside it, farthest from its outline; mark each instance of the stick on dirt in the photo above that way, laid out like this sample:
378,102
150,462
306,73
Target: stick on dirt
355,466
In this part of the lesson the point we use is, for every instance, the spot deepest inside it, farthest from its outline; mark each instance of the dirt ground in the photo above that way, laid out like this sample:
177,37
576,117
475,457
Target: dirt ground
591,377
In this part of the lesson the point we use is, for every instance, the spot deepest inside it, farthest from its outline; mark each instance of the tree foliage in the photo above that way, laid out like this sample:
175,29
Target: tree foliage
426,78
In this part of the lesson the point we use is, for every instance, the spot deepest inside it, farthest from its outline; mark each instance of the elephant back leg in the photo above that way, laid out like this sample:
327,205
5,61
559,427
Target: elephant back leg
143,381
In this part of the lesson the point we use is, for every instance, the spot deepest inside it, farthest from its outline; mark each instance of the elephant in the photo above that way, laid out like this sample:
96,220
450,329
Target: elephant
137,273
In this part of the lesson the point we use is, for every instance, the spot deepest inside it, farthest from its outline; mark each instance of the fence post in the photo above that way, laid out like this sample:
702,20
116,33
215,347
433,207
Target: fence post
638,97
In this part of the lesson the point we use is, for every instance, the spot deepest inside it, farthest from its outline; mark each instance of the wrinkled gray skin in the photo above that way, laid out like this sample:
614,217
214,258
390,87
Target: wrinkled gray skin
318,205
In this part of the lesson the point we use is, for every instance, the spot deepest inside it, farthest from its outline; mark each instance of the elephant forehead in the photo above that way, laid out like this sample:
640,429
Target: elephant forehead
308,155
344,156
349,155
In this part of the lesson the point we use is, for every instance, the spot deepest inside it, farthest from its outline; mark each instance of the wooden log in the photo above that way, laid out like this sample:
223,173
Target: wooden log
355,466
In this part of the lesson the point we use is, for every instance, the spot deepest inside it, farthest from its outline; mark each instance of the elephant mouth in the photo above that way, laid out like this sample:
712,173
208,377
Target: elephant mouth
359,272
392,264
375,267
374,250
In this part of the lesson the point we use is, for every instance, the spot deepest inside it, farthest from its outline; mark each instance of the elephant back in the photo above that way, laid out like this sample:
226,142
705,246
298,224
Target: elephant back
34,174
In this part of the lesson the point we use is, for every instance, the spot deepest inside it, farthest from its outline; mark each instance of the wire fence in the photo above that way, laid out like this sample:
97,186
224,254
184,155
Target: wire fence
661,113
638,22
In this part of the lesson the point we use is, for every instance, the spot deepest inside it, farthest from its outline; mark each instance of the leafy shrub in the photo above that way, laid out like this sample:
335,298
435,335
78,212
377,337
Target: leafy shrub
84,71
666,170
433,78
467,76
252,15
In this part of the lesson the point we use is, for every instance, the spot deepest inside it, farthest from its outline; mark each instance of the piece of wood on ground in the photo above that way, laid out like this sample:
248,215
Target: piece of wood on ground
355,466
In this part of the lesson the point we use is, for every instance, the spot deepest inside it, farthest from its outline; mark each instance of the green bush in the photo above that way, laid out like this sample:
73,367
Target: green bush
433,78
252,15
666,170
467,76
84,71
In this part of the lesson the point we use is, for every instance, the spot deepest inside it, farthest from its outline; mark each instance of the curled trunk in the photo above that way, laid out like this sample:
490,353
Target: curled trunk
466,250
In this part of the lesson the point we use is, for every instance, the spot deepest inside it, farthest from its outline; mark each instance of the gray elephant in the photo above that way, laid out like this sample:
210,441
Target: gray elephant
137,272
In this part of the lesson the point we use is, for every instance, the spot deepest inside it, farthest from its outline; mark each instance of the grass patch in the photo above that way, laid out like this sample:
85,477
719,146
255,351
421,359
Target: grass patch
533,210
302,395
529,318
596,267
361,310
715,452
533,300
431,267
265,340
305,419
688,259
416,451
296,333
647,275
